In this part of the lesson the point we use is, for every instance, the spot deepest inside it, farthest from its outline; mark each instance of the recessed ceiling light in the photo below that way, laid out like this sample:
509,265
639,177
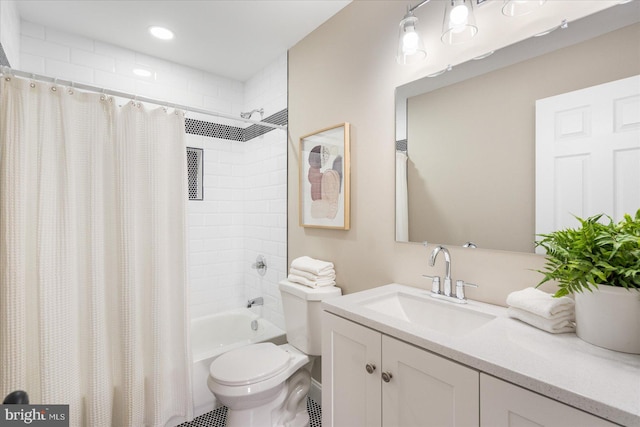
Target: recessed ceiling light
161,33
141,72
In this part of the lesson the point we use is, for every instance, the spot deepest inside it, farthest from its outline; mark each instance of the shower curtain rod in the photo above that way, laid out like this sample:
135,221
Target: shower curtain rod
82,86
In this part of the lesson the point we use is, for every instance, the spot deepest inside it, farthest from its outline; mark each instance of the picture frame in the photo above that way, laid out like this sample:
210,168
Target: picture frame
324,180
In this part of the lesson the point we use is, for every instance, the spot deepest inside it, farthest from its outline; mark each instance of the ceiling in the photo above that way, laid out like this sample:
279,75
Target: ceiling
234,39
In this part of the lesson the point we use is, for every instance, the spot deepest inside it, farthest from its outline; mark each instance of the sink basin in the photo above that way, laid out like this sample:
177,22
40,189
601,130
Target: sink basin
427,312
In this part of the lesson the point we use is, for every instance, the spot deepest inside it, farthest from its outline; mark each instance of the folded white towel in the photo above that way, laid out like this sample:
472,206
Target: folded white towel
310,283
559,325
540,303
311,265
329,274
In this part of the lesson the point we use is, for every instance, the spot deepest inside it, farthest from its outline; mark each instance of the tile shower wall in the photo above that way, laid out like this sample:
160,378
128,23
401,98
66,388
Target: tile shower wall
265,181
59,54
243,213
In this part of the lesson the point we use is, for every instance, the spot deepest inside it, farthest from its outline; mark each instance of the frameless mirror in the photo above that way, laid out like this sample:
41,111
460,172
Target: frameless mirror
465,140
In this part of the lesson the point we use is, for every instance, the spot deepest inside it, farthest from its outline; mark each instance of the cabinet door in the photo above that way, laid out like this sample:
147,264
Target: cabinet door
350,394
503,404
426,389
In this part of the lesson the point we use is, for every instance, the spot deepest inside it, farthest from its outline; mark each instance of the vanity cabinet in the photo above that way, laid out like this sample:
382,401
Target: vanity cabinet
506,405
371,379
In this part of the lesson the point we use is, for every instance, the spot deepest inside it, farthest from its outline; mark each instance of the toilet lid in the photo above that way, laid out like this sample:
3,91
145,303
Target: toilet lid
249,364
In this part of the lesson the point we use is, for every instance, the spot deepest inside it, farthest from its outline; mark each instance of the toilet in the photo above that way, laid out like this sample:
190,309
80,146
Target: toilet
265,384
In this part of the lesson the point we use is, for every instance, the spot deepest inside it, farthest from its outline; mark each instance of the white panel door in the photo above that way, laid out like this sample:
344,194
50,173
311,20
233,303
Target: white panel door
425,389
351,395
588,154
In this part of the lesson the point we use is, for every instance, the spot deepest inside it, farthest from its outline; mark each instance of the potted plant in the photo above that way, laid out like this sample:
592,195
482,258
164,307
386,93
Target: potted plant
603,259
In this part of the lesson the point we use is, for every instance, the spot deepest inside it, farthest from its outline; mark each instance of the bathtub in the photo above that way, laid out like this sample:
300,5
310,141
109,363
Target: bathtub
216,334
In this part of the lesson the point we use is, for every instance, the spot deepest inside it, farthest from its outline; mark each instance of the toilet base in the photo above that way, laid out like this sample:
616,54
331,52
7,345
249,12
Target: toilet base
287,409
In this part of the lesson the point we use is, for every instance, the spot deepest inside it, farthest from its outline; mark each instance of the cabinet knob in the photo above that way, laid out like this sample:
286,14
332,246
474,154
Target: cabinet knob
386,376
370,368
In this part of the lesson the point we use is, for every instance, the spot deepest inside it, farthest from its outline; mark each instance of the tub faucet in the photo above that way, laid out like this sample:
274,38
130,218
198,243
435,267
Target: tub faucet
255,301
447,263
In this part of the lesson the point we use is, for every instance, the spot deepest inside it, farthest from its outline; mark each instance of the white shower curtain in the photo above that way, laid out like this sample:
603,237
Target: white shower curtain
92,255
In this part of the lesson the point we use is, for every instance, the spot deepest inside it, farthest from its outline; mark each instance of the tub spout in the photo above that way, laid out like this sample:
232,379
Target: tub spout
255,301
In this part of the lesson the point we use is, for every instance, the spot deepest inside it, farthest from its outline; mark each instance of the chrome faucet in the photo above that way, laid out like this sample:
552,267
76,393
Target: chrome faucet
458,296
447,264
255,301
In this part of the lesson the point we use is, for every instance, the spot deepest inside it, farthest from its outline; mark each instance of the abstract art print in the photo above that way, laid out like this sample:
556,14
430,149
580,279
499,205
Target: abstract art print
324,178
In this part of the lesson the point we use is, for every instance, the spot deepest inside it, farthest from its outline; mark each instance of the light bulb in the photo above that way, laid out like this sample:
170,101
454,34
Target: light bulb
410,47
410,42
459,24
459,15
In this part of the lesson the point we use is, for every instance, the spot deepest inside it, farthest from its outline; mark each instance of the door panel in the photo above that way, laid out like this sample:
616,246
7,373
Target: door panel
426,389
350,395
588,154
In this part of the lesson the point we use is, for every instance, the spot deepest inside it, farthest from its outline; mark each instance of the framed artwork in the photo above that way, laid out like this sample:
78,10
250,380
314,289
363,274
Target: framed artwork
324,178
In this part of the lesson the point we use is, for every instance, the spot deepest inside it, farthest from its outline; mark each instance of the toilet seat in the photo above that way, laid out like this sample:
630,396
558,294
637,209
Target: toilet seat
250,364
256,388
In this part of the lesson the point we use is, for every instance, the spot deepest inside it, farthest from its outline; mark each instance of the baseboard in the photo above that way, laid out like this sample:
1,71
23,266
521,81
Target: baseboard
315,391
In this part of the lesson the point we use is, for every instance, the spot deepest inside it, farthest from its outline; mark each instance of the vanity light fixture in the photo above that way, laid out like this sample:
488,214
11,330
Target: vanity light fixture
521,7
410,46
161,33
459,23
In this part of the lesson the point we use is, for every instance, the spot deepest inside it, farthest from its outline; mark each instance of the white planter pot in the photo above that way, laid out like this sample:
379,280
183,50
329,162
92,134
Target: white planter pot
609,317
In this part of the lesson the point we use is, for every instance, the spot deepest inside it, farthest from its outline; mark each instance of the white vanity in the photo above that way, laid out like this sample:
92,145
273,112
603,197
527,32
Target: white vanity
394,356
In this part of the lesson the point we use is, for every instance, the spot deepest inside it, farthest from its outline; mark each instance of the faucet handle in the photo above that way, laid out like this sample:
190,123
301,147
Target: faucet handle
460,284
435,283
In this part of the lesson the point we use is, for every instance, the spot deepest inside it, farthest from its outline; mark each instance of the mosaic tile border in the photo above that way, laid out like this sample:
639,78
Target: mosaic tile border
214,130
234,133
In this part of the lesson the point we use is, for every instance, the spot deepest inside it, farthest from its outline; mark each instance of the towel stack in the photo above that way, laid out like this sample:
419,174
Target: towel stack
312,272
540,309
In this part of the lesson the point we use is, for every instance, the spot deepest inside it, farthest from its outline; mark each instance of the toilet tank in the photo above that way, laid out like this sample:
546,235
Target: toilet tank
302,314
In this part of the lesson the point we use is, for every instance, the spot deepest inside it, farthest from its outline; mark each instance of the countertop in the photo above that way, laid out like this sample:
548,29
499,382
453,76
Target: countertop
602,382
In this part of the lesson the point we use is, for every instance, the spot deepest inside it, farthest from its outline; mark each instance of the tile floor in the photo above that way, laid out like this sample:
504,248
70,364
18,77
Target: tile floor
218,418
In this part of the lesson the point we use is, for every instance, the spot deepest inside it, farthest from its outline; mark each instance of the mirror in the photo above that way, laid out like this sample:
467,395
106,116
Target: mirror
473,179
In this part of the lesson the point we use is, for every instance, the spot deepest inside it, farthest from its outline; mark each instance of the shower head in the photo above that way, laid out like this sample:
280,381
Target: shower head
248,114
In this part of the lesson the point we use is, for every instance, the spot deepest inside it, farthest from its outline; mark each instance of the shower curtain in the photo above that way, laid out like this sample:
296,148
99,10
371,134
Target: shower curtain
92,255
